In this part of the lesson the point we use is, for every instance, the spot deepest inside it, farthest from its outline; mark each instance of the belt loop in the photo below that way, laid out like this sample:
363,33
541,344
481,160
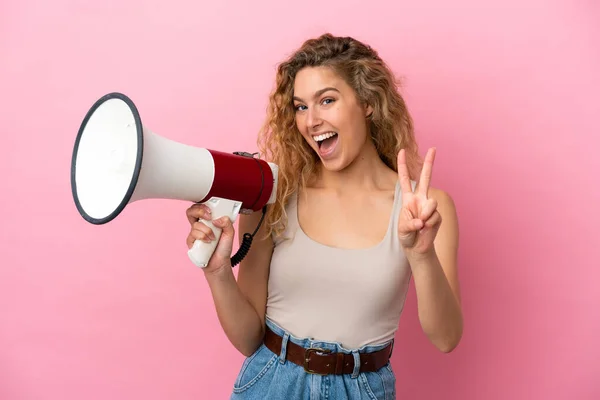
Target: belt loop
283,352
356,369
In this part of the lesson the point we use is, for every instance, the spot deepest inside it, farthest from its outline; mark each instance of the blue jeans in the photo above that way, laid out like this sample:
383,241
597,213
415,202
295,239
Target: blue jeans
265,375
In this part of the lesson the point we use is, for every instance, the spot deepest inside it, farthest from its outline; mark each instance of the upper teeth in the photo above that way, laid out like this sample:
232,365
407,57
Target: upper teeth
324,136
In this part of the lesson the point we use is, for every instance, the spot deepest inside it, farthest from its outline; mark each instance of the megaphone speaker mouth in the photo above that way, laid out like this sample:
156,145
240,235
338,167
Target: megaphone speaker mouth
107,158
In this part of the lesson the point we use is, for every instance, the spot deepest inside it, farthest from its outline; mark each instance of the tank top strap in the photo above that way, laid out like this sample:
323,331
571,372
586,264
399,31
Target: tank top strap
396,207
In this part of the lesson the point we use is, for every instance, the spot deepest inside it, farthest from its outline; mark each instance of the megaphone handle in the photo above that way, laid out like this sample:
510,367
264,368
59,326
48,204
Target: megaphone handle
201,252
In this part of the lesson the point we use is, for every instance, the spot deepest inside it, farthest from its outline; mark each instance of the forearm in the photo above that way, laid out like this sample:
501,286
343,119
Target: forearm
237,316
439,307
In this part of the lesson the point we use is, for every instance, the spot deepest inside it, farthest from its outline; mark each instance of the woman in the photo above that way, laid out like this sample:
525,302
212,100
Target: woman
319,296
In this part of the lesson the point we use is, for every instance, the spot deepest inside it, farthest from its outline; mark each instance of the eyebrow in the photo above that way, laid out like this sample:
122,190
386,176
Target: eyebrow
319,92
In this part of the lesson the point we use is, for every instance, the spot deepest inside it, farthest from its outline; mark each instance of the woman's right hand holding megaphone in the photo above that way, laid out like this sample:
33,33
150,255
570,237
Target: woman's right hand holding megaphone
221,257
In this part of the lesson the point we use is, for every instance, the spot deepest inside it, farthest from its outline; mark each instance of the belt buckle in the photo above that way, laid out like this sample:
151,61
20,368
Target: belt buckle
307,354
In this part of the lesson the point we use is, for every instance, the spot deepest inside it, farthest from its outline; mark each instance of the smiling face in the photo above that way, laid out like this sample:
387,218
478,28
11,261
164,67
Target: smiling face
330,117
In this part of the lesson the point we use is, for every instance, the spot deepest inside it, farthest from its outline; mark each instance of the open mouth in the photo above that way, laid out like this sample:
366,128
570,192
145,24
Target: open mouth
326,140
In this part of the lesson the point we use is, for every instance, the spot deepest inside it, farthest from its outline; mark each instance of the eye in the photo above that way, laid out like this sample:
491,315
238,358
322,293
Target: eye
328,100
299,107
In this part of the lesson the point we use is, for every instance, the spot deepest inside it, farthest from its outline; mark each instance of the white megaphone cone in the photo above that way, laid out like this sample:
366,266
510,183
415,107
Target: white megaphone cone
116,161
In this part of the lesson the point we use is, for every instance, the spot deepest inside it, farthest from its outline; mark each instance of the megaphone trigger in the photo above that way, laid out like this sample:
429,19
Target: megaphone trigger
201,252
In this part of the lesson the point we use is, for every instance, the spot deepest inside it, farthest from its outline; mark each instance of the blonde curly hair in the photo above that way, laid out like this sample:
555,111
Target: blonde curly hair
359,65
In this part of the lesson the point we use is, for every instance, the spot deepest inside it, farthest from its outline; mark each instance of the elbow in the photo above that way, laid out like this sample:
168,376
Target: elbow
451,341
250,346
446,338
448,346
247,349
446,343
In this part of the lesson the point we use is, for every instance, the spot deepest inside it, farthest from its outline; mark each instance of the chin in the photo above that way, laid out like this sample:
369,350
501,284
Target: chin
332,167
335,164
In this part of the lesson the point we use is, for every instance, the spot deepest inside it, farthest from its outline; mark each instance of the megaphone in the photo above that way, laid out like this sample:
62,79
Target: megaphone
116,161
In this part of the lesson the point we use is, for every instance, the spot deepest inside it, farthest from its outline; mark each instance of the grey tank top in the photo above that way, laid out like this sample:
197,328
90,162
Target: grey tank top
351,296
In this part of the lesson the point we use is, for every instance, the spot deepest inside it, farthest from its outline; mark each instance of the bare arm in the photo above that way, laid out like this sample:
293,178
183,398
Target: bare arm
240,304
428,232
436,281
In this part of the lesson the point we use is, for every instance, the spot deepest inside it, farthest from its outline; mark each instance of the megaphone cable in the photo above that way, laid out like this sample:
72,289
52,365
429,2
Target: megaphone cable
247,242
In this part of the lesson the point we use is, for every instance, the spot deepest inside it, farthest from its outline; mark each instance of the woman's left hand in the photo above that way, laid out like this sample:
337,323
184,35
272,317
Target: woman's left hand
419,219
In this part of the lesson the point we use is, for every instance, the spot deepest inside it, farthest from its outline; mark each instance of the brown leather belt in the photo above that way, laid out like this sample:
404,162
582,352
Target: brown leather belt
324,361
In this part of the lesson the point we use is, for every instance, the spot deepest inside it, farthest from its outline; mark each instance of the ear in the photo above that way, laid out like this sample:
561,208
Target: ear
368,111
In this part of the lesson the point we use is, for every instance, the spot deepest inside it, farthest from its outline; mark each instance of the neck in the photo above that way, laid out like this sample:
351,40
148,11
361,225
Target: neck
366,172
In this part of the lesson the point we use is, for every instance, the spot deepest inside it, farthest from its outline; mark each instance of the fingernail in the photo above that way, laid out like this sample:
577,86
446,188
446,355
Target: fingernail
219,221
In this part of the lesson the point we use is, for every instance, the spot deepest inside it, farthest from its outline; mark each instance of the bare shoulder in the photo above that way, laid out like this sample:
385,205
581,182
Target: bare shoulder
445,204
443,198
448,232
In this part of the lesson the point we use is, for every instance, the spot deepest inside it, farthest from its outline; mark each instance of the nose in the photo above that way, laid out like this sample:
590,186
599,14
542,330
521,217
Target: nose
313,119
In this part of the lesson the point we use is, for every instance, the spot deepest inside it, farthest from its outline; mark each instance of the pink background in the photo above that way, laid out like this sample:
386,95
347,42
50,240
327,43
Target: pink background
506,90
